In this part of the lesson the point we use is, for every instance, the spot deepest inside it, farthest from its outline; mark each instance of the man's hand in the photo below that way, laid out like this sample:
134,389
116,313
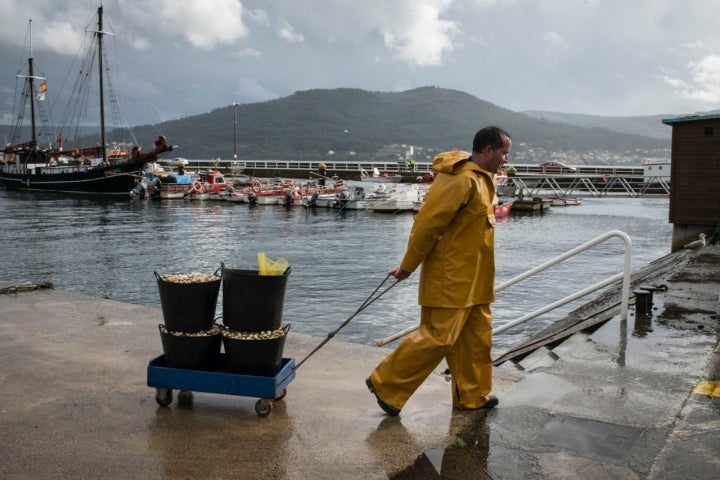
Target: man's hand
399,273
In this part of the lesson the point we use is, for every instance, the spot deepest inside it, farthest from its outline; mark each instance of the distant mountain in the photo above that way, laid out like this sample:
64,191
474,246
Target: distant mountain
650,126
359,125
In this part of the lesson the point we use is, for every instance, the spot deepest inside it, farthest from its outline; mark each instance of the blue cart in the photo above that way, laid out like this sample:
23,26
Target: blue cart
269,389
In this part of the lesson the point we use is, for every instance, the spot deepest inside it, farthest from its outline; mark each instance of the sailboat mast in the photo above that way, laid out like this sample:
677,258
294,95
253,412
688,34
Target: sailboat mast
100,76
31,84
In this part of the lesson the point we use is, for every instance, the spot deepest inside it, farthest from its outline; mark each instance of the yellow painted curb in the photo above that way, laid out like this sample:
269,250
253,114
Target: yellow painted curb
708,388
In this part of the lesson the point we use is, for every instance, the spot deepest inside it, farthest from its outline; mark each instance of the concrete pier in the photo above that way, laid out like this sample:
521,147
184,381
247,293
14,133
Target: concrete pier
631,400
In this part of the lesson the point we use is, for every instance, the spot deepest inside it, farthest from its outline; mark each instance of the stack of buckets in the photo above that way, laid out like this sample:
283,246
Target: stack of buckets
252,304
252,308
190,339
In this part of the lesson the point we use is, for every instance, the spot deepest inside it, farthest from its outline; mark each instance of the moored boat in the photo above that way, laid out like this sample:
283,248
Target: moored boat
64,165
158,182
175,190
426,178
394,205
344,199
254,191
504,207
208,185
402,199
379,177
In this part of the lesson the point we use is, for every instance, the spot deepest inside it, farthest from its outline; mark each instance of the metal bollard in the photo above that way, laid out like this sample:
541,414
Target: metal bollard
651,289
643,303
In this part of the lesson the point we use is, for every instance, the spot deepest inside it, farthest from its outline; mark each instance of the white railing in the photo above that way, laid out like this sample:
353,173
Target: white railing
305,166
625,275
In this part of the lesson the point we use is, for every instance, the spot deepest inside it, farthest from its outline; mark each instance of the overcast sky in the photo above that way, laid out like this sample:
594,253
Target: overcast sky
185,57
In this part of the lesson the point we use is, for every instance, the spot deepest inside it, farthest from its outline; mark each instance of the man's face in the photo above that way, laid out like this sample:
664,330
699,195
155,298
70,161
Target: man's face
498,156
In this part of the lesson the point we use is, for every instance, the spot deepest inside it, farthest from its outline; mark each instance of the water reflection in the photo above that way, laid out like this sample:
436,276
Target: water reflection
212,437
465,458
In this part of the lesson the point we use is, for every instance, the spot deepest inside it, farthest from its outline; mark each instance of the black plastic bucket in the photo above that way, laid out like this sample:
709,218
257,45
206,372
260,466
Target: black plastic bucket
193,352
188,307
254,357
253,302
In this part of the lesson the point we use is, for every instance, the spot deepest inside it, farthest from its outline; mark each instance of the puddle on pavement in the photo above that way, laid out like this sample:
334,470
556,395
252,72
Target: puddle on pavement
457,463
464,460
644,339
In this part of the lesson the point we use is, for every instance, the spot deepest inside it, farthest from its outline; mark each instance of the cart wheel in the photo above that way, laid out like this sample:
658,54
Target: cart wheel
282,395
163,396
263,407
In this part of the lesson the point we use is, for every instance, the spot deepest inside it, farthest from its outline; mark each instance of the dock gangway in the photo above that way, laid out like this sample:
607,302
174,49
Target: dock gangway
566,185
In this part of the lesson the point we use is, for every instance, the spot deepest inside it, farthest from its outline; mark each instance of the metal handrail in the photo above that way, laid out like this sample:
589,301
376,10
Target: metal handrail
625,275
534,184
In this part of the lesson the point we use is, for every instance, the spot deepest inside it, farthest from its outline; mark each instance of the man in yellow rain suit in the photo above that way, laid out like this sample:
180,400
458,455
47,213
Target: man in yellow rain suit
453,238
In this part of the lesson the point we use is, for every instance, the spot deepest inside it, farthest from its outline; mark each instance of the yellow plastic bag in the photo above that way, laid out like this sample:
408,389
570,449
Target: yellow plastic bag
272,267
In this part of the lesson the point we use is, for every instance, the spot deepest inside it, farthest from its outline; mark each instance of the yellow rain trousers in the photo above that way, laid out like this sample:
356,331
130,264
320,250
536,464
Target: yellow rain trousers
453,239
463,336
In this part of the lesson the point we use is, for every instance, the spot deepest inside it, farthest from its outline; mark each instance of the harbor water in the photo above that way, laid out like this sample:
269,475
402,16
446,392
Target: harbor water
110,248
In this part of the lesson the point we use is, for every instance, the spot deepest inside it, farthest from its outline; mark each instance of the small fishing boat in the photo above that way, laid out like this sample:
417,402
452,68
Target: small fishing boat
379,177
394,205
175,190
347,199
504,207
231,196
279,191
427,178
402,199
208,185
160,183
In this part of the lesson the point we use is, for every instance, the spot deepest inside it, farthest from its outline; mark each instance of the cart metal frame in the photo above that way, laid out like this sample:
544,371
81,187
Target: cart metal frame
221,381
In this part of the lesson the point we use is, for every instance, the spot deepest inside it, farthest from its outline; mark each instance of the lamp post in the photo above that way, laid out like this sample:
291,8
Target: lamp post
234,131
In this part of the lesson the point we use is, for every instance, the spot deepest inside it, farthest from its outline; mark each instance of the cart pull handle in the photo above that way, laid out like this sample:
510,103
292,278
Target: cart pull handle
368,301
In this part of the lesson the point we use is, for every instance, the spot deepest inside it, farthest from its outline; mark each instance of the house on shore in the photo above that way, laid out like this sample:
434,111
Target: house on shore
695,171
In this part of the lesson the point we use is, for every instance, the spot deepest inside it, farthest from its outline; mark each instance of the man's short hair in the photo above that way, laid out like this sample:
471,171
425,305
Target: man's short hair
493,136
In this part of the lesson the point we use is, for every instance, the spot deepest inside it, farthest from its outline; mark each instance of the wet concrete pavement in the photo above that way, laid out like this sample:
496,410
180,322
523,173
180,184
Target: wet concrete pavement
619,401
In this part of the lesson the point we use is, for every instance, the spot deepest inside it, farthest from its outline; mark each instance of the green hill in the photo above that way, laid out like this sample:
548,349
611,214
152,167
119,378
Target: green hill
376,126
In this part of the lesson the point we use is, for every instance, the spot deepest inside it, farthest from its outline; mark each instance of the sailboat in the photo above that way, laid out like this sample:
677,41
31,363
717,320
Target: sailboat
100,169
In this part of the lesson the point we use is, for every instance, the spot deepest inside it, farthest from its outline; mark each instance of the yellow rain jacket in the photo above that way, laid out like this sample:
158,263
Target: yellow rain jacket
453,236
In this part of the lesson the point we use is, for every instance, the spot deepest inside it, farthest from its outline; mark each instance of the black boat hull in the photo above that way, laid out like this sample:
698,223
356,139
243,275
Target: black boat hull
111,180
